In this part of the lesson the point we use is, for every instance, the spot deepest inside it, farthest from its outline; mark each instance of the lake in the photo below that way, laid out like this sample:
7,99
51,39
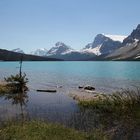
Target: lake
106,77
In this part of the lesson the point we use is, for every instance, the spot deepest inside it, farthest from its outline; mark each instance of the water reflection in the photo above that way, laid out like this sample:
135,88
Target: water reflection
19,99
118,126
15,91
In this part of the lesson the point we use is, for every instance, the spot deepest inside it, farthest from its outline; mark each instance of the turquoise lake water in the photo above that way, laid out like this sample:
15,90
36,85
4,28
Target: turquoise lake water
106,77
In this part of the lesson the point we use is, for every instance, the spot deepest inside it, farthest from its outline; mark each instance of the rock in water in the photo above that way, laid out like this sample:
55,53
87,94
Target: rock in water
80,87
89,88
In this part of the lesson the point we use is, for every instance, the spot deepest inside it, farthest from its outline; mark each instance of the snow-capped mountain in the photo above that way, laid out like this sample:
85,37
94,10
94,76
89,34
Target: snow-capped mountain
104,44
65,52
59,49
40,52
18,50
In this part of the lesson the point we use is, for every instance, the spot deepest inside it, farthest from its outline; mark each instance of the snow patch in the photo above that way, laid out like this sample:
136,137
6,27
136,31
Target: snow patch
136,40
116,37
137,57
69,51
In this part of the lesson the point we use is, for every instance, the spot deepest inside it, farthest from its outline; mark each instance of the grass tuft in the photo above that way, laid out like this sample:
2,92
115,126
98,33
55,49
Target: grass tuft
126,101
119,112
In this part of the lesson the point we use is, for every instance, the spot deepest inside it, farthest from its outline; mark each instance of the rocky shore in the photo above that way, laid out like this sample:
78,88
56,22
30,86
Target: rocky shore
85,93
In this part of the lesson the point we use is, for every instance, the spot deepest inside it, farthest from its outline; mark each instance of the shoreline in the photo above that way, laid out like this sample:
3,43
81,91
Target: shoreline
84,95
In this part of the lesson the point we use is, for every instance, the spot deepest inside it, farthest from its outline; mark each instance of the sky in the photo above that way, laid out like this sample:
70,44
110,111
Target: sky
32,24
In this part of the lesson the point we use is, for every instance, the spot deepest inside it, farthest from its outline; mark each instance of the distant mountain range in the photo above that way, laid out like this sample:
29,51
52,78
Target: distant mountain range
65,52
6,55
103,47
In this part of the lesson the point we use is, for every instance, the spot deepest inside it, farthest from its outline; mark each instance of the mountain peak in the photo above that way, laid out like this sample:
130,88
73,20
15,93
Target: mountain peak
59,44
100,35
59,48
99,39
136,33
134,37
138,27
104,44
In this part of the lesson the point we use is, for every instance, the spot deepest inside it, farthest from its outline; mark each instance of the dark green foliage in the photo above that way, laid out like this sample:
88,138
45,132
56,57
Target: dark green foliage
17,82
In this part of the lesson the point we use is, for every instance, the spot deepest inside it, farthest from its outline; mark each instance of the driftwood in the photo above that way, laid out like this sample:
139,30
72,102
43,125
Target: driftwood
47,90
